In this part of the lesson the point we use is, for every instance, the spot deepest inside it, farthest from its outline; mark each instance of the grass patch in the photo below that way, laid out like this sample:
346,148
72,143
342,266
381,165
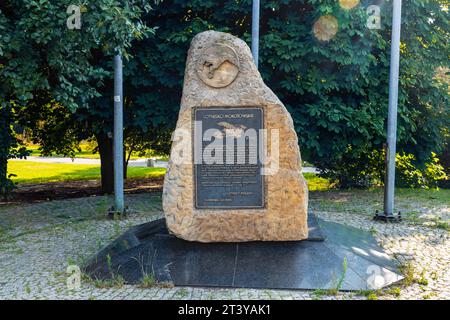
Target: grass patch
442,225
411,202
408,271
116,282
372,296
88,153
181,293
323,196
316,183
29,172
319,293
369,294
422,280
440,196
148,281
396,291
429,296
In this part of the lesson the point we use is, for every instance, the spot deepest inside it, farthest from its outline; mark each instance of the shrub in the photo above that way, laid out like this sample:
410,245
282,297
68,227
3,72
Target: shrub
411,175
368,170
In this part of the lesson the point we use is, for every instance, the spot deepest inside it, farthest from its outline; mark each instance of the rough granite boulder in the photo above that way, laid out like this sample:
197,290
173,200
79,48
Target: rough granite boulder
220,72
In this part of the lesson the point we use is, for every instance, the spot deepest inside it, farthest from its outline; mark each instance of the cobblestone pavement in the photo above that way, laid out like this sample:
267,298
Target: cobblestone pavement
39,241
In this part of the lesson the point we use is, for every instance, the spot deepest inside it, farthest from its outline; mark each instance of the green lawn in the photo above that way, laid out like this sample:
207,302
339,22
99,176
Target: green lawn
323,195
87,153
412,203
316,183
38,172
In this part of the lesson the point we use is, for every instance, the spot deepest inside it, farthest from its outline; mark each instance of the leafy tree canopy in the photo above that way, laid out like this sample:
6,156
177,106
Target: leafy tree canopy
41,58
336,89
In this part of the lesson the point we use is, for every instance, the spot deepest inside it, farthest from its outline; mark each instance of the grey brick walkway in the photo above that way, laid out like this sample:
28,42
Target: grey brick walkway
39,241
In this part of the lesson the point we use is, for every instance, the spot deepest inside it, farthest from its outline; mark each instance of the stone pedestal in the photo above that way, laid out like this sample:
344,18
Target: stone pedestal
222,83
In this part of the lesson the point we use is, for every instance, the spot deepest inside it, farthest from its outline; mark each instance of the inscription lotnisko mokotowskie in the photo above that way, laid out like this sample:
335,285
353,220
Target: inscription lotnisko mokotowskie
227,158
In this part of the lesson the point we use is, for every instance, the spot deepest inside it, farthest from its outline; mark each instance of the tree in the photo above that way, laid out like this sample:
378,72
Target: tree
9,148
43,62
336,90
147,118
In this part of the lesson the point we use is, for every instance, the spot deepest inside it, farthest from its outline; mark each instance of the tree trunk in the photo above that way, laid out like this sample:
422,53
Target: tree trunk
6,141
126,159
105,148
125,165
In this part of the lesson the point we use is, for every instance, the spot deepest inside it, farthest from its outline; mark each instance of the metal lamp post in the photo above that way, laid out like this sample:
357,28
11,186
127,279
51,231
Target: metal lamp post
118,134
389,184
255,31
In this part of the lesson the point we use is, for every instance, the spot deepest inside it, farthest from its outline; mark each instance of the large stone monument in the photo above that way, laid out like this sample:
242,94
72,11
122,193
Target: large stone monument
252,191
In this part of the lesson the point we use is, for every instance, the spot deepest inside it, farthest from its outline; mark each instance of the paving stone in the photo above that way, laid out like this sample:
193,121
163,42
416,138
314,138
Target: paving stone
38,241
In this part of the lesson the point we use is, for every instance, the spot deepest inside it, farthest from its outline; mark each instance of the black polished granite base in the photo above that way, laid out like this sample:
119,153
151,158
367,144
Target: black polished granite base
332,252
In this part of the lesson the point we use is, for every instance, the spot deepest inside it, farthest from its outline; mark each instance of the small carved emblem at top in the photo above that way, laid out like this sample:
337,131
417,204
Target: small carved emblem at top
218,66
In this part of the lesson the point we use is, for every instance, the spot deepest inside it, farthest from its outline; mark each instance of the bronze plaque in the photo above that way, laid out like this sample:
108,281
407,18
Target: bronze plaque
227,158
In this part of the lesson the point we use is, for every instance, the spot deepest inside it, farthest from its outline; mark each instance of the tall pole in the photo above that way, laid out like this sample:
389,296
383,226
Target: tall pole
118,134
255,31
389,185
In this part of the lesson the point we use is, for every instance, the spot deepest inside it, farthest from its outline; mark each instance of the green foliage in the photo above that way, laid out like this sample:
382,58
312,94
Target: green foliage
336,91
342,277
338,286
408,272
367,170
52,126
6,142
395,291
444,159
139,143
148,281
422,280
29,172
372,296
10,148
354,170
44,65
115,282
105,26
316,183
411,175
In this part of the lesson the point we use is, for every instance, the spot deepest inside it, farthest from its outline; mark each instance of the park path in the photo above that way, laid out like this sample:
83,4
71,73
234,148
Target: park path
132,163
